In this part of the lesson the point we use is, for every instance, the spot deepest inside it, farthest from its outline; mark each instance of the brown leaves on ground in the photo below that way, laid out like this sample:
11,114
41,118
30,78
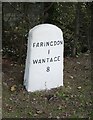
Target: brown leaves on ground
73,100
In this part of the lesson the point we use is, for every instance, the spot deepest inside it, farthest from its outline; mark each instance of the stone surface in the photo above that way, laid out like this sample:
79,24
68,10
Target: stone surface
44,62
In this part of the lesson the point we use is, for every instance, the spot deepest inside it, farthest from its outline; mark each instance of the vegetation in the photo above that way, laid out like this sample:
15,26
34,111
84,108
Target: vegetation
73,18
73,100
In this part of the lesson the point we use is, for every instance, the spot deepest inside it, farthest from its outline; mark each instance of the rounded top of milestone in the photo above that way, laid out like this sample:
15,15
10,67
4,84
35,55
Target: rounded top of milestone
45,32
45,26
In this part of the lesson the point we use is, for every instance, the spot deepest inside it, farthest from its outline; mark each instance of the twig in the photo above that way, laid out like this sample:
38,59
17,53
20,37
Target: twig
48,7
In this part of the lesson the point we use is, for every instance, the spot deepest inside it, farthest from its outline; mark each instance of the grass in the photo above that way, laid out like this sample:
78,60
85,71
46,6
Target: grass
73,100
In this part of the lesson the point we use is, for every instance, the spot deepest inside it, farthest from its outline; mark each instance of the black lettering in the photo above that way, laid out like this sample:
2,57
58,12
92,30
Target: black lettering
44,43
47,59
51,60
47,43
61,42
43,60
58,58
54,43
33,44
37,45
39,61
55,59
35,61
48,69
58,42
48,51
41,44
51,43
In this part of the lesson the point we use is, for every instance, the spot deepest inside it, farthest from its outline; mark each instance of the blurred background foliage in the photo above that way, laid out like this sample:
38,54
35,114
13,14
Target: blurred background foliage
73,18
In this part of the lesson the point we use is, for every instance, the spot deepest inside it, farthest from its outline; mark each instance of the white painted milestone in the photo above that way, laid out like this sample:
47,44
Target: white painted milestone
44,62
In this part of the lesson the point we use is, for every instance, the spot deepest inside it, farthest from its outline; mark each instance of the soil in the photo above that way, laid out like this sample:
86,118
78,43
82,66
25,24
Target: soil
73,100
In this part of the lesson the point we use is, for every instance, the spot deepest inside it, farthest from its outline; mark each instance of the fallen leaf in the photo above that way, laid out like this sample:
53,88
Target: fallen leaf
60,107
58,117
30,113
50,115
79,87
72,96
10,108
11,79
35,115
78,63
5,84
13,88
69,87
34,99
39,112
10,99
11,64
71,77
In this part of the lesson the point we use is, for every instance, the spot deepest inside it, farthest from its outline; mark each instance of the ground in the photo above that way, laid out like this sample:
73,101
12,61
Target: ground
73,100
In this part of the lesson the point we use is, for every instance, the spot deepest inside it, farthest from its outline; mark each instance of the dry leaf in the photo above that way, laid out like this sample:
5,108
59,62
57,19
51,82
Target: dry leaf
78,63
13,88
71,77
79,87
35,115
39,112
30,113
58,117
